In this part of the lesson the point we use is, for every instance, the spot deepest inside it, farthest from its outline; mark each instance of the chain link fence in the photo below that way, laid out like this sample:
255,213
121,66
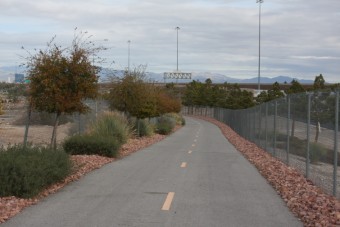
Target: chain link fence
301,130
15,118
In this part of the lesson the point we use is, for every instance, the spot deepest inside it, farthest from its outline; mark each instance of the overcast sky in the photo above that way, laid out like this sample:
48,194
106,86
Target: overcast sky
300,38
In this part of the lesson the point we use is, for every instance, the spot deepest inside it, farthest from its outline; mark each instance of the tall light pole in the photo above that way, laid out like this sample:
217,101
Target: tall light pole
129,42
177,74
177,28
259,66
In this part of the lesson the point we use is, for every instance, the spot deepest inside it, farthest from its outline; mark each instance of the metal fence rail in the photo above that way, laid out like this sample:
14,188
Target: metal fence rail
300,130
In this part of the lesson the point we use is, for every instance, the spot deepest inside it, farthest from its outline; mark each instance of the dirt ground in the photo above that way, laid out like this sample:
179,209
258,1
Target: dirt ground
13,133
40,135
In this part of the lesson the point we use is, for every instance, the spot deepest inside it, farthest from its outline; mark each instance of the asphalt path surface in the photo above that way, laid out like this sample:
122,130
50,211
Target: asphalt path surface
194,177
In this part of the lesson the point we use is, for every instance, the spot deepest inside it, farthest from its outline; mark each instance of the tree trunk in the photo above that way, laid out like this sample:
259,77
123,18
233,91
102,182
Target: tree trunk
29,112
293,128
53,144
317,132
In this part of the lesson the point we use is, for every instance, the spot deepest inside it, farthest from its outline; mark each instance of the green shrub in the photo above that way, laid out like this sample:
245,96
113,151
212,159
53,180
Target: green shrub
298,146
317,152
25,172
270,136
165,125
281,137
178,118
183,121
112,125
92,144
143,127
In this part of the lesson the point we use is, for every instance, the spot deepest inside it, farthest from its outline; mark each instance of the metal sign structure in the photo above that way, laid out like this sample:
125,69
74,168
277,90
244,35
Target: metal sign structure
177,75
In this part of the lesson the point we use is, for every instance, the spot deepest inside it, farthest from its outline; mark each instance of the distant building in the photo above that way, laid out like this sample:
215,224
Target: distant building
19,78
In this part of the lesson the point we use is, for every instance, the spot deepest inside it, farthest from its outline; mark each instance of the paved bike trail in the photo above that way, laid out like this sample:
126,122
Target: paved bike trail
194,177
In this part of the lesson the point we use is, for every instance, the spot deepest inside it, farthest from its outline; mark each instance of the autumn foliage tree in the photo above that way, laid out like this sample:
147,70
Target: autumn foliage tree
62,78
131,95
167,104
140,98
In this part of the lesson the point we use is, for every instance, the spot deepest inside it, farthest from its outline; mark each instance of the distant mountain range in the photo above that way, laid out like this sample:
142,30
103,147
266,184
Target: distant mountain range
7,74
215,77
219,78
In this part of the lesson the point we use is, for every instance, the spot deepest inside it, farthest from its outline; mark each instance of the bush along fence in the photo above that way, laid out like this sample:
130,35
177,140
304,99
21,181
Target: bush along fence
301,130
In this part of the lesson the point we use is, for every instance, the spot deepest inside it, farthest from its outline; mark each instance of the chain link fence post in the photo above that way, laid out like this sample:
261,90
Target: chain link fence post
275,119
248,130
336,129
260,125
266,128
308,133
288,129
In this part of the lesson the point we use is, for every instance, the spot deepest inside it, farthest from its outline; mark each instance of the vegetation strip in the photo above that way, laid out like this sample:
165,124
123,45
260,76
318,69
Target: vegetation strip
308,202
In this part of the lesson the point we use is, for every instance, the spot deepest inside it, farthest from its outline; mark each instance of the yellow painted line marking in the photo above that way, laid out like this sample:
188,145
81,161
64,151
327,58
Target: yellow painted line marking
195,140
190,152
168,201
184,164
193,145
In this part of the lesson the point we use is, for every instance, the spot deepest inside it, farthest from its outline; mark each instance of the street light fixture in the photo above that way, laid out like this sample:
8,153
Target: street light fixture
259,66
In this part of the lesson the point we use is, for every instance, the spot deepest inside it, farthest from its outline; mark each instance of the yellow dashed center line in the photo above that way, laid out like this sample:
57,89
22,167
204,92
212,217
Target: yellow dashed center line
193,145
168,201
183,165
190,152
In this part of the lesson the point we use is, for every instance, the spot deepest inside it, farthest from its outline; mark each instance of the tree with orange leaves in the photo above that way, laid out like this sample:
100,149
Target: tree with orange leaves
62,78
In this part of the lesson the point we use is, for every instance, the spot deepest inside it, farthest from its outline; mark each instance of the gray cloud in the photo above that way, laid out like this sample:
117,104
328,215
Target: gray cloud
300,38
